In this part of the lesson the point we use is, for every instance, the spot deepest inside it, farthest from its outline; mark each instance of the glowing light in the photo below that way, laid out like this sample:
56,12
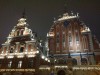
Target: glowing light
1,57
61,66
44,68
30,55
65,17
46,59
86,68
21,56
37,51
43,57
50,34
10,56
21,70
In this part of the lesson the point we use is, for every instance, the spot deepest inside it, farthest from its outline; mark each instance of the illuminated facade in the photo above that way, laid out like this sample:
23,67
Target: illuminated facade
70,49
70,42
21,54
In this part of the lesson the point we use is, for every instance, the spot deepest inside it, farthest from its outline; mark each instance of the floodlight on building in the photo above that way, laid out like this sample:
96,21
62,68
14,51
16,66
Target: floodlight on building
43,57
37,51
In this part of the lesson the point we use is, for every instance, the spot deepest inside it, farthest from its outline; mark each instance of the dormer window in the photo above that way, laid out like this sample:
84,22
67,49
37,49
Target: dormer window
11,50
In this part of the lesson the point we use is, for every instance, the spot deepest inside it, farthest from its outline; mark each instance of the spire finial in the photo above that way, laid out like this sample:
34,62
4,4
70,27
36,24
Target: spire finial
23,14
65,6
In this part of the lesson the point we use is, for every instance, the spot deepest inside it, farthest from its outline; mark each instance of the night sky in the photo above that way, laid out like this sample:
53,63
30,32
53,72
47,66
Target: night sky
40,14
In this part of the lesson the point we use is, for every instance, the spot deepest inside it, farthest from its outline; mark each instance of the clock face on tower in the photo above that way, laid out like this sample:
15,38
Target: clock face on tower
66,23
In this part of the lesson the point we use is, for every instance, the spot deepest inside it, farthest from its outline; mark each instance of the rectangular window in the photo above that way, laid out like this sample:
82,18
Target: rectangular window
70,37
57,44
19,64
77,43
30,65
57,38
70,43
9,64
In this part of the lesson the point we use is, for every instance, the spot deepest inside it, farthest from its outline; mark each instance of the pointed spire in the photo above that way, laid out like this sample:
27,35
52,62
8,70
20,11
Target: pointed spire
23,14
65,6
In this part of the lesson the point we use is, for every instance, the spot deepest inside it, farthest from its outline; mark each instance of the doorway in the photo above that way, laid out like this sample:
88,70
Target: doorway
61,72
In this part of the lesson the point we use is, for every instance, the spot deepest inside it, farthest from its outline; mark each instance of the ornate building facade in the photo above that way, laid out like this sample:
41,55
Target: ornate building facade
70,49
21,54
71,43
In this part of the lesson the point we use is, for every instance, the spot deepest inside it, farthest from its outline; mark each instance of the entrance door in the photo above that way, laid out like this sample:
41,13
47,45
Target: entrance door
61,72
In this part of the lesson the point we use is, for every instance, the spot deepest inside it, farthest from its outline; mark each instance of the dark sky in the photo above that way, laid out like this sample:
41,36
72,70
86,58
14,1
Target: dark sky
40,14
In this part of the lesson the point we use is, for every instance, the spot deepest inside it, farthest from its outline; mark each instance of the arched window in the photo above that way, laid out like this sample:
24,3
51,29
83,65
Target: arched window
11,50
84,61
21,49
74,61
17,33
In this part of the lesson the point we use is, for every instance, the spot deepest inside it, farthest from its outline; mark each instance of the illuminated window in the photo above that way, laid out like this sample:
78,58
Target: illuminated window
70,43
77,43
9,64
19,64
30,65
11,50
